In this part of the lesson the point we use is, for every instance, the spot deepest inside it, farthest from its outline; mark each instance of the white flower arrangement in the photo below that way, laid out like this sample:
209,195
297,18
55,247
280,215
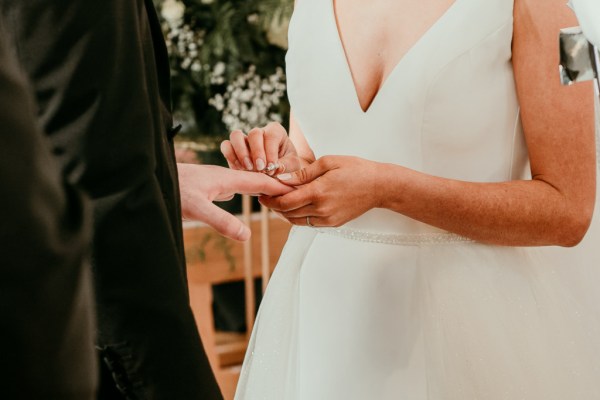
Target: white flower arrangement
172,11
181,39
249,100
226,60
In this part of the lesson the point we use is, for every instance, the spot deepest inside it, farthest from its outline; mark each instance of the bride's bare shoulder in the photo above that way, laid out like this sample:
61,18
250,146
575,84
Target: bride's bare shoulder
558,121
535,17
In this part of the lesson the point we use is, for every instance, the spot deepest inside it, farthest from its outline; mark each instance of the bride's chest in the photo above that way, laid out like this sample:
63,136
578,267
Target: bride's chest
324,70
453,89
376,35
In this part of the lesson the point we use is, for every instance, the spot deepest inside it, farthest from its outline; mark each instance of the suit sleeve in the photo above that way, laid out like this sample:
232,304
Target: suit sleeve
45,297
89,67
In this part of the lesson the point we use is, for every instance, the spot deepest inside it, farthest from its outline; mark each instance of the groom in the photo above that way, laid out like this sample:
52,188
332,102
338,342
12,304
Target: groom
101,77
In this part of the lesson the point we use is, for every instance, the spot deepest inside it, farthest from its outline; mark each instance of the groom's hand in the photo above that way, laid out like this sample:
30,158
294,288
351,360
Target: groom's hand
200,185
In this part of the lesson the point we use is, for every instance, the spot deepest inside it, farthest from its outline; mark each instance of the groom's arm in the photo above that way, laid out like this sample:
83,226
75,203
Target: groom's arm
86,61
45,294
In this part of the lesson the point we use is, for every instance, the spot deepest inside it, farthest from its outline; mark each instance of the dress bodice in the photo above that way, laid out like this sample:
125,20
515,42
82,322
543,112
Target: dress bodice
396,314
449,107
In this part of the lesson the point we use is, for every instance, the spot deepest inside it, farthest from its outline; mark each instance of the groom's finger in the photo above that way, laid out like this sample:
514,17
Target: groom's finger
253,182
307,211
223,222
307,174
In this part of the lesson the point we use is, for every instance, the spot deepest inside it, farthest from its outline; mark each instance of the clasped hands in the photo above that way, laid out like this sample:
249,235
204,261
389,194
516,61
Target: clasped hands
330,191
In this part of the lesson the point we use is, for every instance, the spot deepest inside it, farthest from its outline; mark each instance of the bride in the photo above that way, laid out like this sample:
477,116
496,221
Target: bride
417,268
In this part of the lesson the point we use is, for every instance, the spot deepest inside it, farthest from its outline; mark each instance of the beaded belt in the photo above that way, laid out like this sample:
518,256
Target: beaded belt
404,239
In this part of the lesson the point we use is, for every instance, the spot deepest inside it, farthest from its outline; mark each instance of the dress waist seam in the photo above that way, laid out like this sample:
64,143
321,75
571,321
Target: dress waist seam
398,239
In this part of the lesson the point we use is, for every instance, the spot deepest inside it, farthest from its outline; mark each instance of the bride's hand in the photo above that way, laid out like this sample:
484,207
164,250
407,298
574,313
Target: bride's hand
267,149
331,191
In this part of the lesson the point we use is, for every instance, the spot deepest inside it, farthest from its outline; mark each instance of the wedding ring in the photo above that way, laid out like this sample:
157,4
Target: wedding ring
279,167
271,167
308,222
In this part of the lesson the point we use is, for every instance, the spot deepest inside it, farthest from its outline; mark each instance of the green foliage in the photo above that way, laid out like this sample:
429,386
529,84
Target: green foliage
220,243
231,36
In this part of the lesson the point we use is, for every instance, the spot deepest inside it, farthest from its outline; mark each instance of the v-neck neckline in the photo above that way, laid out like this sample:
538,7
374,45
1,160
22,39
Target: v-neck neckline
384,82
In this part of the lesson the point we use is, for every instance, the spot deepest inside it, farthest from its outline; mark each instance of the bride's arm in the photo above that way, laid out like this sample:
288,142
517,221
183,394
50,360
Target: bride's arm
554,208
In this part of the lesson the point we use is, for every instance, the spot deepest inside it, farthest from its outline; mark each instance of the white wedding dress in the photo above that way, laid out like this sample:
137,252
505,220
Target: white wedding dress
386,307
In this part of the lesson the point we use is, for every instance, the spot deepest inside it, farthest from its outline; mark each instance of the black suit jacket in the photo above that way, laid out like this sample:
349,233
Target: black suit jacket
46,319
101,76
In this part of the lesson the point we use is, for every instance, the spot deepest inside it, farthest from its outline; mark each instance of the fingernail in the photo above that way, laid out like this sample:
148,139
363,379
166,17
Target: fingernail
260,164
284,177
248,164
244,233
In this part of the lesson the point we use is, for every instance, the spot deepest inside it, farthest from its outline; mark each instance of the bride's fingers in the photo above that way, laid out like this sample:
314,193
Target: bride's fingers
315,222
302,212
289,163
257,148
274,137
310,173
240,147
286,203
230,156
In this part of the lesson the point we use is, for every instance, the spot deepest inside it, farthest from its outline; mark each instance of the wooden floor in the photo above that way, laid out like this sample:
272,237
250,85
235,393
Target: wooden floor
212,260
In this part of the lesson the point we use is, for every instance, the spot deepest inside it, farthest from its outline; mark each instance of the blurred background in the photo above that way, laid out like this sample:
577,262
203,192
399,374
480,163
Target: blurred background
227,64
227,67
